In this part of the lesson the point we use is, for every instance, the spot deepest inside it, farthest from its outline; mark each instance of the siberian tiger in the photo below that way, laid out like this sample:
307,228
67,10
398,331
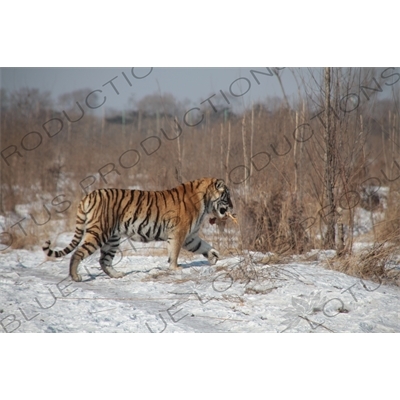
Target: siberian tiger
171,215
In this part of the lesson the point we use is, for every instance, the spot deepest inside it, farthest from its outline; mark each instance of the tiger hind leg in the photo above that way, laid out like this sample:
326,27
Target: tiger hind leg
89,245
107,254
76,258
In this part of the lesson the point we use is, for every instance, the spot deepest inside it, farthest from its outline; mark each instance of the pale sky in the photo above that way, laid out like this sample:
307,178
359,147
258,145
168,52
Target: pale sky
241,87
192,84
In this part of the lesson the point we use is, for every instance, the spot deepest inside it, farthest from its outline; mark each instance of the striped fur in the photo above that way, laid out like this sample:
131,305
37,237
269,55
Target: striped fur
173,215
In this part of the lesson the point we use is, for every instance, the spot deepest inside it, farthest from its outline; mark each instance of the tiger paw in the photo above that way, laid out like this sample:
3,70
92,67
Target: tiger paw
112,273
175,267
77,278
213,256
118,275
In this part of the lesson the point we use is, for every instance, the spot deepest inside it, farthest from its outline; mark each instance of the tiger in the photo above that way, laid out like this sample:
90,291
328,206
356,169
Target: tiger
174,216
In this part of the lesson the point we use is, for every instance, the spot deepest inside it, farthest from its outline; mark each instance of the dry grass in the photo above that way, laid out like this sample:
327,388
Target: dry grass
27,235
378,263
389,228
381,260
276,222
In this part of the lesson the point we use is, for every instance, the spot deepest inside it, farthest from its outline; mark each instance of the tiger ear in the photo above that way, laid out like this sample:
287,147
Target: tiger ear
220,185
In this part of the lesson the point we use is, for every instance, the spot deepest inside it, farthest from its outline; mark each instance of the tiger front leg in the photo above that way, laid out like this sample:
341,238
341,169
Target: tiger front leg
212,256
174,248
199,246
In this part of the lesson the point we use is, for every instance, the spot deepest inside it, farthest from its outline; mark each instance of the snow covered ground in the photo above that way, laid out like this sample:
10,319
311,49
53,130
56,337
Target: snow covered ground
238,294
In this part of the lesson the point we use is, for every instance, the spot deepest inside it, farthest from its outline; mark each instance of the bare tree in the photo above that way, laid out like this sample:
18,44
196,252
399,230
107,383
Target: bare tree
329,160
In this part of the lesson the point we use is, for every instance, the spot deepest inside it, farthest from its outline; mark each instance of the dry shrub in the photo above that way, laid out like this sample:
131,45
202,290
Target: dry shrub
273,222
29,238
389,229
375,263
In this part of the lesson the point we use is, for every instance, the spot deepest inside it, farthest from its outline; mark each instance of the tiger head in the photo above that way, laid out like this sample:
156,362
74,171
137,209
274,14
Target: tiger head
220,199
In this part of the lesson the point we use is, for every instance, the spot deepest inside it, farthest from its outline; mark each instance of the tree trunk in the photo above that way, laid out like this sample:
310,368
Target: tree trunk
329,211
246,163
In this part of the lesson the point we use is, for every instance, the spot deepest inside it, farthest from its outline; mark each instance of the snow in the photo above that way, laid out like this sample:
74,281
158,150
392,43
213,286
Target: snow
239,294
